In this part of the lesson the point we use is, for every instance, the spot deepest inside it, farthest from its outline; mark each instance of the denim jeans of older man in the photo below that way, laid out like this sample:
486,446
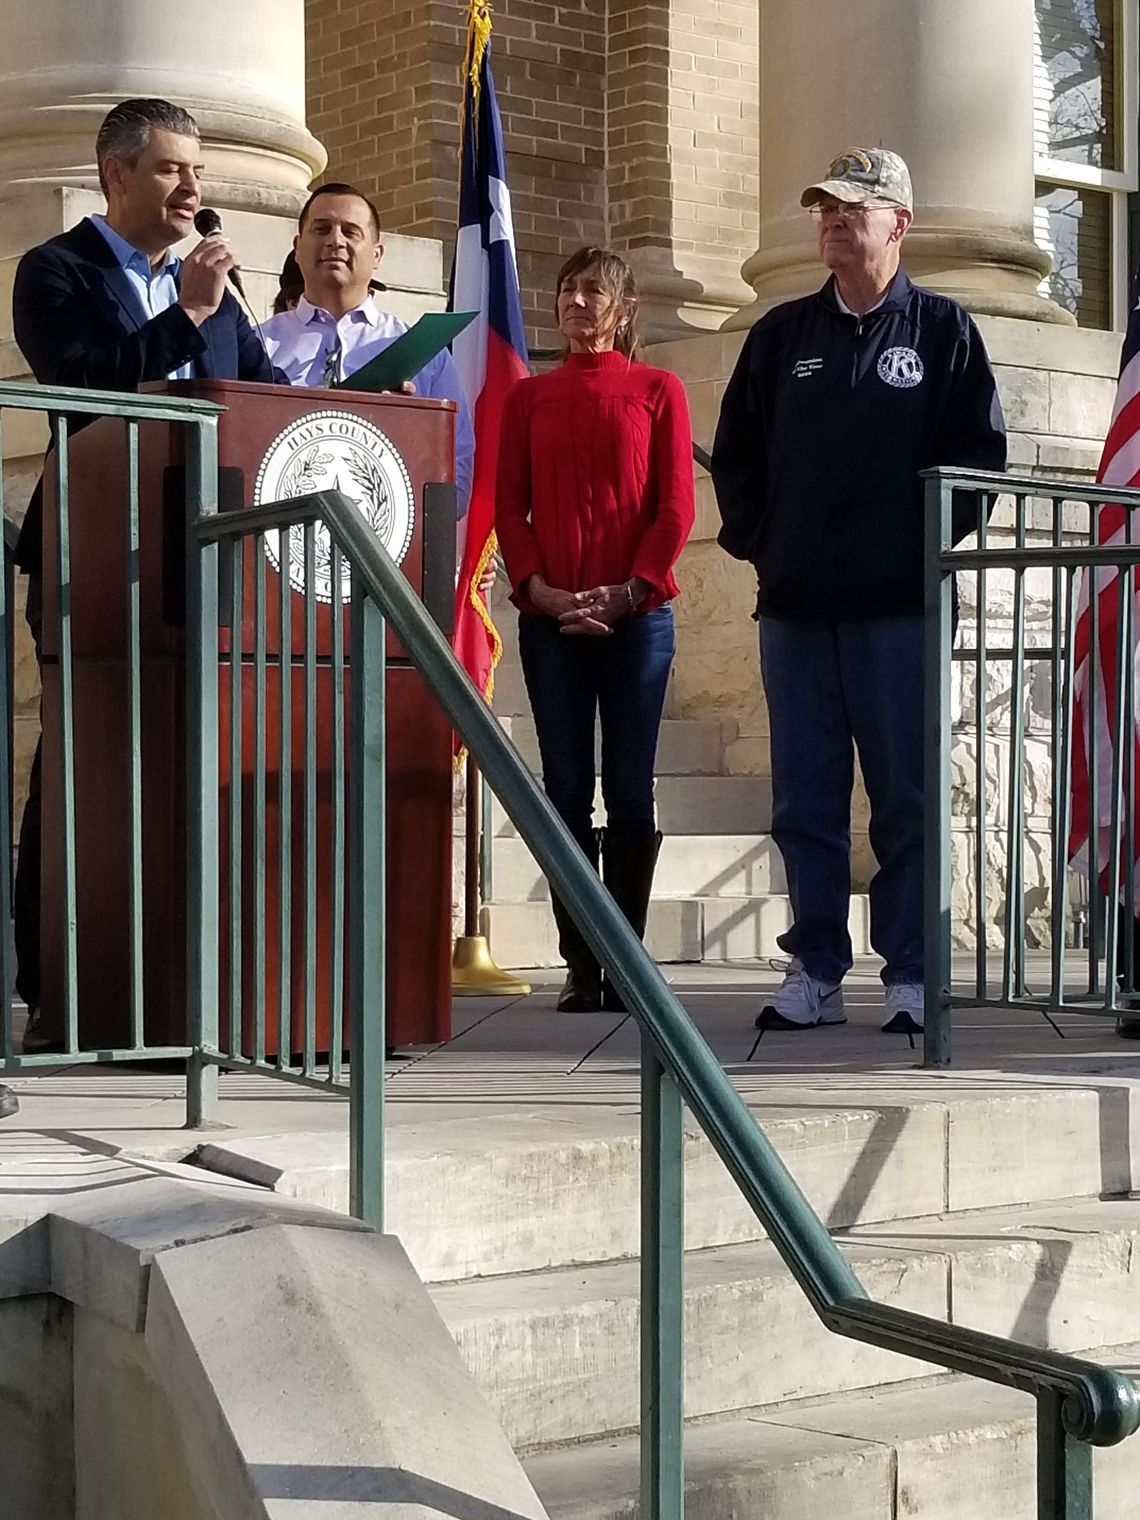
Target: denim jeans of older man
834,688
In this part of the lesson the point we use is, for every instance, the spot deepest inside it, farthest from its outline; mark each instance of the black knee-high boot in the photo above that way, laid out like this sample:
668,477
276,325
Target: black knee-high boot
582,990
628,863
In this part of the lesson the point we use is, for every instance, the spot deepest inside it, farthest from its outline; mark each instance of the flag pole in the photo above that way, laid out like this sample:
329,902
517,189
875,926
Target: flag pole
473,969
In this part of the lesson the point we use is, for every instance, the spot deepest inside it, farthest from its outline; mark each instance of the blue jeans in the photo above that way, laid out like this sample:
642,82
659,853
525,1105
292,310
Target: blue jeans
623,678
833,688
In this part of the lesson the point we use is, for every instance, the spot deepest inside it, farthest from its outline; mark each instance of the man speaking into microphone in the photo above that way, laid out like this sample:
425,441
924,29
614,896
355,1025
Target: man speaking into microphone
108,306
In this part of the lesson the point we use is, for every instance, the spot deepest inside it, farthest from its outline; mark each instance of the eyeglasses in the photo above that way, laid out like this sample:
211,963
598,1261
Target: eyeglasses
849,213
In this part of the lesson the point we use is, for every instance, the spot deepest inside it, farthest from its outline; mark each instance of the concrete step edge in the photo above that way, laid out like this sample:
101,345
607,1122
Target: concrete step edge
492,1200
556,1353
947,1449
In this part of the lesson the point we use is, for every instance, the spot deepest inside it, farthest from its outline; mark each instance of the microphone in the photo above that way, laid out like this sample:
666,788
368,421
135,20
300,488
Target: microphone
206,224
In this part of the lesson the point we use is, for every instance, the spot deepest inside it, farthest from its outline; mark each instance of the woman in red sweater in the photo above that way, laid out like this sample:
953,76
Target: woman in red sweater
594,503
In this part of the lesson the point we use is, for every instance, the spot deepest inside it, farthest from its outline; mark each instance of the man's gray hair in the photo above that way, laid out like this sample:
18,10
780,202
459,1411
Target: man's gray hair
126,130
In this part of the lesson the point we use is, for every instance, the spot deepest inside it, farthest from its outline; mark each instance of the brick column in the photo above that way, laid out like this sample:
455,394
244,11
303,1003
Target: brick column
682,96
947,86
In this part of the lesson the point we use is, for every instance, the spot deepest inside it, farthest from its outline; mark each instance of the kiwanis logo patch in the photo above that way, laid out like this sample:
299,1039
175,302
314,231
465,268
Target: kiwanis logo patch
325,451
900,367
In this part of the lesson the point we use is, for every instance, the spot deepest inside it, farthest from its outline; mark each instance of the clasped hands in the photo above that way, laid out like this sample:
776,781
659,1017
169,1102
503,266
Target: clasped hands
592,612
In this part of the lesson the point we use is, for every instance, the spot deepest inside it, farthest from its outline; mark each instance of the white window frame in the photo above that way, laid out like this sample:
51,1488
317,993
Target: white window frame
1119,183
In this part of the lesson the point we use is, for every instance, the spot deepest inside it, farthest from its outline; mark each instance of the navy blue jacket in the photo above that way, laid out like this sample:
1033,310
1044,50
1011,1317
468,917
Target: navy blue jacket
824,427
76,321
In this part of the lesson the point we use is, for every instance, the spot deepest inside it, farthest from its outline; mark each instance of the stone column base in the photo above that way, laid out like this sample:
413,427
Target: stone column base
683,295
992,274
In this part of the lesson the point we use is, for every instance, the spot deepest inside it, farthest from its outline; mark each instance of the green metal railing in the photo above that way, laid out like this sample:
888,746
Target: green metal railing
66,410
356,844
1033,559
1078,1403
213,936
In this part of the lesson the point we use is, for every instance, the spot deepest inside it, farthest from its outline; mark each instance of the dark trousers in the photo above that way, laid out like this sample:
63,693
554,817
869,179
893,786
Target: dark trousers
26,888
622,679
833,688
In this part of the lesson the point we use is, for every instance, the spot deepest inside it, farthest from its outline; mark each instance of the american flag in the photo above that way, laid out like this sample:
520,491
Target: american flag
491,353
1119,466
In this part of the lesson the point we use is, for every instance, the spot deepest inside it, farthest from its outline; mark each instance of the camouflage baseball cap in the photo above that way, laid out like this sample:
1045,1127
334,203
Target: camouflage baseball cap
863,174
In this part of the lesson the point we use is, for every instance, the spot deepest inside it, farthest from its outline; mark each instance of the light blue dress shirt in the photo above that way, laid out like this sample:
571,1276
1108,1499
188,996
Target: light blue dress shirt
156,289
312,347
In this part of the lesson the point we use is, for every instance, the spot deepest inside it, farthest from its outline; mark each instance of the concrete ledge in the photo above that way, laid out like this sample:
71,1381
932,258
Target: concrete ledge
291,1360
37,1479
317,1378
87,1227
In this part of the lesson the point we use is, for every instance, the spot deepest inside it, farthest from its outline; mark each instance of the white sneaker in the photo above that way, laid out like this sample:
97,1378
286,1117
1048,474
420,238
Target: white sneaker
802,1003
905,1003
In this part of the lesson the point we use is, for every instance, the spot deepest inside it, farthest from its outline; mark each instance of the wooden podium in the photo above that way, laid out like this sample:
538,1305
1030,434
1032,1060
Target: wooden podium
395,456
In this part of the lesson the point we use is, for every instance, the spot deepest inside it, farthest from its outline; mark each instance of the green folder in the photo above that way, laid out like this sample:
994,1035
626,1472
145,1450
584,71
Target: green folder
403,359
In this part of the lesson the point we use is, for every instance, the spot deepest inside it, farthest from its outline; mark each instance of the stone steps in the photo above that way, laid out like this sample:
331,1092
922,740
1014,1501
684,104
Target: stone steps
690,805
679,929
952,1450
510,700
556,1353
720,889
685,747
997,1201
557,1183
690,865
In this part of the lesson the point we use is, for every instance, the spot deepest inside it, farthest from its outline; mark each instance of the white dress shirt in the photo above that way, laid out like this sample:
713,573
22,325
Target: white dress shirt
312,347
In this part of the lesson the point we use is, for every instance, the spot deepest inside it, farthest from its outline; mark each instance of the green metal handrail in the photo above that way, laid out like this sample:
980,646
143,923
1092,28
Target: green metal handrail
1078,1401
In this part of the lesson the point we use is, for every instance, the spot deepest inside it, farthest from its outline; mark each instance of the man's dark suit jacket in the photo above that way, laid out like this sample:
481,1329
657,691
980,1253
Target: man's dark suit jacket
77,322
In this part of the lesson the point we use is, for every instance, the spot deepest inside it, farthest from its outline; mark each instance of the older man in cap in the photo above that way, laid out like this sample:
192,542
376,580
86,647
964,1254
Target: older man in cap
836,405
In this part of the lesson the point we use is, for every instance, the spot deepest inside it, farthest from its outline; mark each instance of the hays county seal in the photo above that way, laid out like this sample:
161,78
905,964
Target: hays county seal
336,451
900,367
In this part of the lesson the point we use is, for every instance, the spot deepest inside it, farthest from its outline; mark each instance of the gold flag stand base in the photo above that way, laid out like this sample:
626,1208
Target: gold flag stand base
474,973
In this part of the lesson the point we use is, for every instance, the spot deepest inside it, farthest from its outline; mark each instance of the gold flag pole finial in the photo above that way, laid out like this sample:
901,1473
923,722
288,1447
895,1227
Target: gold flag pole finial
478,35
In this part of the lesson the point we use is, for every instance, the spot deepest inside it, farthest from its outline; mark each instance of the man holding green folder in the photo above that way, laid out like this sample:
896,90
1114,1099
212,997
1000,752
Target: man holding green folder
336,329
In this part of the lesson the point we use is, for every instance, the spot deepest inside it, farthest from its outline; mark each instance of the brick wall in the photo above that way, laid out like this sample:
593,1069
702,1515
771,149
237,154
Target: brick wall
714,124
384,96
633,120
682,87
640,178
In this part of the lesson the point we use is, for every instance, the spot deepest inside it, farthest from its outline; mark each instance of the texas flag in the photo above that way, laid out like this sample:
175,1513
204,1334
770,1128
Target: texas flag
491,352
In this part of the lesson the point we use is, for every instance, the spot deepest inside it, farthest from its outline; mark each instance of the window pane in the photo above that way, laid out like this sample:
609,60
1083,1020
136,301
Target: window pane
1074,82
1074,227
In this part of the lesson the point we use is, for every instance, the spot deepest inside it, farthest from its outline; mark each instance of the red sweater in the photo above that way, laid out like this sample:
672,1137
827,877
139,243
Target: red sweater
595,477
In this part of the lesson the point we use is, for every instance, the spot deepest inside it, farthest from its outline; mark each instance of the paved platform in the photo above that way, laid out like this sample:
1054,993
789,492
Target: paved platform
516,1063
